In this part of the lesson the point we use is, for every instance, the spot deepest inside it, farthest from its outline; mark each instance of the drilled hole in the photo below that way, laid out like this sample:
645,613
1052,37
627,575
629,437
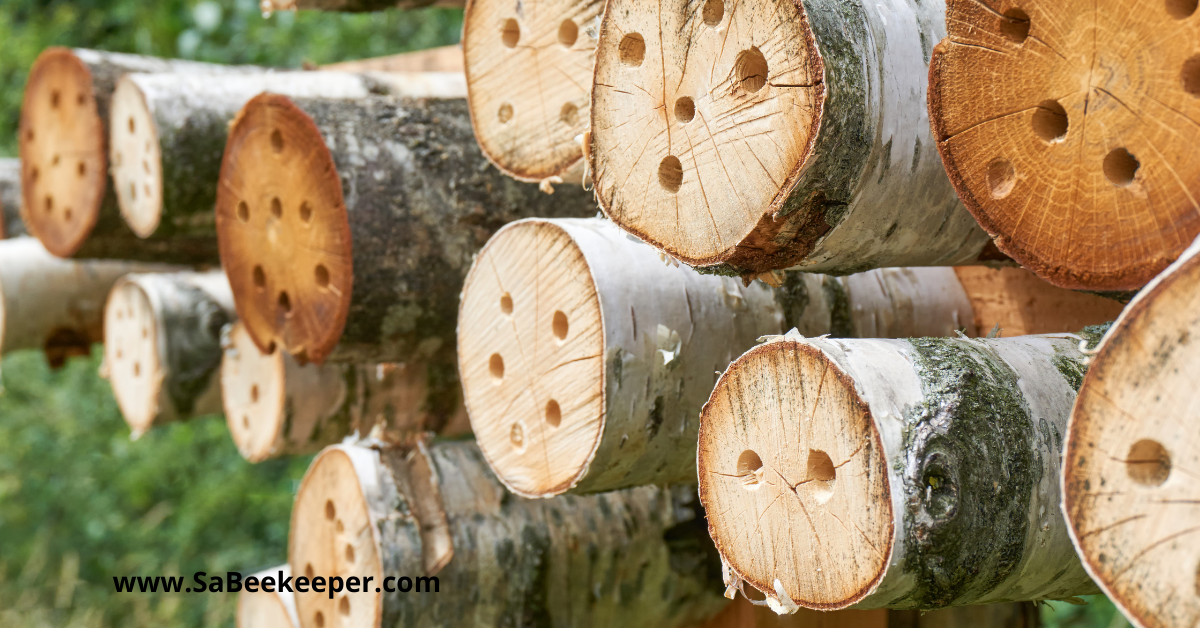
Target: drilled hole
1148,463
132,126
29,135
1050,121
505,113
1016,26
146,189
81,169
330,510
285,303
305,212
569,114
1190,77
243,211
54,98
517,435
49,203
245,422
496,366
713,12
146,165
1120,167
56,160
344,606
308,569
277,141
321,274
137,369
1181,9
751,69
1001,178
685,109
821,475
750,469
276,208
560,325
568,32
67,214
349,553
553,413
133,191
670,174
339,526
632,49
80,99
319,619
254,393
35,174
506,304
260,277
271,348
511,33
145,333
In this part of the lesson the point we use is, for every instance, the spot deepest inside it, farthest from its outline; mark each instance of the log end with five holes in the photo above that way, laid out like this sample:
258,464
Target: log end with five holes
136,159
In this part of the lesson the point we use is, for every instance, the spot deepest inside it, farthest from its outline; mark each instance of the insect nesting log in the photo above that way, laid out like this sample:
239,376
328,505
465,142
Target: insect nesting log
163,345
1068,132
267,609
783,134
529,80
168,135
630,558
354,221
355,6
585,359
277,407
10,199
64,131
914,474
742,614
1130,486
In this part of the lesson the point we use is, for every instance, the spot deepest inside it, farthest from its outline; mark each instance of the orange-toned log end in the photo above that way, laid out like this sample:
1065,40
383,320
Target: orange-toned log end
804,500
529,79
283,231
63,158
1022,304
1068,129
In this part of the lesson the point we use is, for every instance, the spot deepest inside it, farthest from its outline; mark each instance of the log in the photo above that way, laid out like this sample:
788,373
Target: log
168,135
782,134
1130,481
268,609
277,407
1065,141
163,345
585,359
1020,303
68,202
529,81
371,274
741,613
10,199
630,558
356,6
440,59
907,474
51,304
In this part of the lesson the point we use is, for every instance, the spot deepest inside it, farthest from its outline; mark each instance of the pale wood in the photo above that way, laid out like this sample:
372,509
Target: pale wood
740,613
529,75
585,358
162,347
440,59
1131,479
268,609
772,134
630,558
908,474
1067,127
268,6
10,199
1020,303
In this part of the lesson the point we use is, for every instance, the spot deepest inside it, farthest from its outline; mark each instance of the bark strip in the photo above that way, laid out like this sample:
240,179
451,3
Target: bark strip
10,199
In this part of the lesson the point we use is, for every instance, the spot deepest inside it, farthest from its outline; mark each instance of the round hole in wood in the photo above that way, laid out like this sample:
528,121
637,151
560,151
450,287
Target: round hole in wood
277,141
81,169
260,277
751,69
560,325
243,211
1190,77
1181,9
54,97
1050,121
67,214
505,113
132,126
685,109
1120,167
146,166
1016,27
319,619
344,606
553,413
271,348
1148,463
305,212
1001,178
29,135
506,304
510,34
145,333
276,207
670,174
496,366
308,569
750,469
49,203
133,191
330,512
713,12
321,274
146,189
568,32
569,114
137,369
339,526
632,49
285,303
254,393
80,99
349,553
245,422
35,173
57,158
821,476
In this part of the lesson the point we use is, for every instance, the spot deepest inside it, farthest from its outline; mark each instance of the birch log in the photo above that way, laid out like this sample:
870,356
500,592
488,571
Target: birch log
1020,303
68,203
631,558
10,199
268,609
529,75
354,221
440,59
1067,128
1131,479
277,407
168,134
585,359
356,6
908,474
163,345
781,134
52,304
742,614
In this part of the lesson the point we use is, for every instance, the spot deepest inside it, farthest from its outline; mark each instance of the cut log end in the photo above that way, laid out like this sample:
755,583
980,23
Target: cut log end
1065,131
253,387
262,609
283,231
332,535
131,354
62,145
529,75
669,165
136,159
761,487
530,350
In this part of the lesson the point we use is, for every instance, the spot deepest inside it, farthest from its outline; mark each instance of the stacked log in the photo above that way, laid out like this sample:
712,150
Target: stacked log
1130,481
163,345
354,6
782,134
277,407
908,474
267,609
1067,130
10,199
443,59
741,613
